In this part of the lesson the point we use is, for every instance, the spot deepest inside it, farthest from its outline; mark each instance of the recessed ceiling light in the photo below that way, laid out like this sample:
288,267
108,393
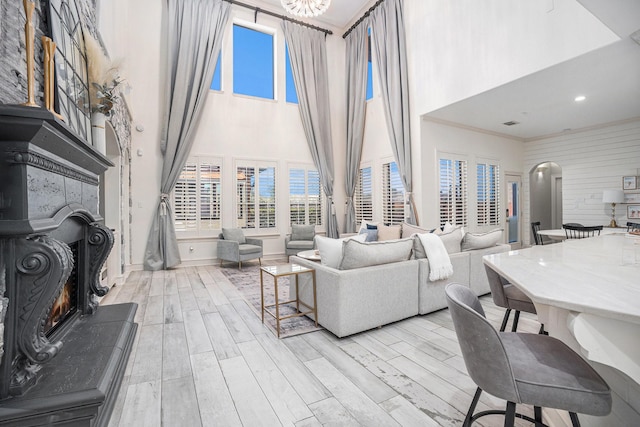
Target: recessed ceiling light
580,98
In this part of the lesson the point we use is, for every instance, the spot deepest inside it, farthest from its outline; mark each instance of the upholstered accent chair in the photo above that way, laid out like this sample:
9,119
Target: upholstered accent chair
300,239
533,369
507,296
234,246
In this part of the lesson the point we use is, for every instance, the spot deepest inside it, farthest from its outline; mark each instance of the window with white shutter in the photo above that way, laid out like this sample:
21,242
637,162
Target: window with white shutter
363,197
453,191
255,196
305,196
197,197
392,194
488,197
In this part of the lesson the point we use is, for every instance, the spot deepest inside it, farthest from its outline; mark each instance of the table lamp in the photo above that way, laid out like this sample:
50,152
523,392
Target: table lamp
613,197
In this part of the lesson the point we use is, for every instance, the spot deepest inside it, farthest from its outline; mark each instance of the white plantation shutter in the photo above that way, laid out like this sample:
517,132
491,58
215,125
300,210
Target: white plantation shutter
255,196
297,196
314,197
210,192
197,196
245,197
488,200
364,195
267,197
305,196
453,192
392,195
185,198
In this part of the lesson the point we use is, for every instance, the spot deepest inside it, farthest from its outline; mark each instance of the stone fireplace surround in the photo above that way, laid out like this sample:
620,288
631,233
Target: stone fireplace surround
49,199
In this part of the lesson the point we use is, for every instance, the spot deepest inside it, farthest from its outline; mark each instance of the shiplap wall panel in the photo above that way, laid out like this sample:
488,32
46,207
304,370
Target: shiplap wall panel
591,161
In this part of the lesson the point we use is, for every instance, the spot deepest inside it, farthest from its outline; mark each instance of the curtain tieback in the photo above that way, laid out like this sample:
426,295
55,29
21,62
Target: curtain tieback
331,204
164,200
409,195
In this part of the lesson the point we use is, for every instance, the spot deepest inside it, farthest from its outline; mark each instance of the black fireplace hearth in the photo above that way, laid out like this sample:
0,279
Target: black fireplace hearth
65,370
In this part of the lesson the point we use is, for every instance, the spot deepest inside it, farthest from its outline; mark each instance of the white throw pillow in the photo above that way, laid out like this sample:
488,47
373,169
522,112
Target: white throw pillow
359,254
472,241
448,227
331,249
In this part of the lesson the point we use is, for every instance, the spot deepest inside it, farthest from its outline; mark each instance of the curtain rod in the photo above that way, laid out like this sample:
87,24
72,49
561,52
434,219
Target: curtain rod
367,13
286,18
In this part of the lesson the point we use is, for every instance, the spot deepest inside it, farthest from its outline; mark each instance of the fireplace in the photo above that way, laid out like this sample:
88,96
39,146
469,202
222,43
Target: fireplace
64,356
66,304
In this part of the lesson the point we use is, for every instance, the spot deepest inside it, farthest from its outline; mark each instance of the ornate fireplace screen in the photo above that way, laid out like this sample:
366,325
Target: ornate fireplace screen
72,81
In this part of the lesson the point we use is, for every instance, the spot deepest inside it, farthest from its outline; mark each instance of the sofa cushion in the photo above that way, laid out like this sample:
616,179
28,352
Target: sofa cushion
362,254
452,239
409,230
389,232
246,249
302,232
234,234
331,249
472,241
300,244
371,234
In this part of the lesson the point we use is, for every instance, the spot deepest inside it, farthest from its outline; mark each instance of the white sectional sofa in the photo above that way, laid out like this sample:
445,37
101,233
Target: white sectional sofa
357,299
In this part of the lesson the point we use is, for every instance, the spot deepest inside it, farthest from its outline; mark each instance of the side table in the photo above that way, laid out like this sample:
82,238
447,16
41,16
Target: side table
311,255
284,270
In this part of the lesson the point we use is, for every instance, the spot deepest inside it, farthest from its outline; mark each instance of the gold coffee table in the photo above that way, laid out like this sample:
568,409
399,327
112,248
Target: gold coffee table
283,270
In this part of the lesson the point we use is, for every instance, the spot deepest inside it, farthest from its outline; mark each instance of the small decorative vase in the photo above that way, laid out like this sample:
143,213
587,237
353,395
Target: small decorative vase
98,134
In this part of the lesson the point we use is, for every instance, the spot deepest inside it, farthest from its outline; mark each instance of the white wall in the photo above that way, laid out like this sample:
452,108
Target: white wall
465,47
591,161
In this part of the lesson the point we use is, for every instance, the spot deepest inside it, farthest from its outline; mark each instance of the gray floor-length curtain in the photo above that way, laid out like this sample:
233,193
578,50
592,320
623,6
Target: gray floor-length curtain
194,32
356,60
388,39
308,55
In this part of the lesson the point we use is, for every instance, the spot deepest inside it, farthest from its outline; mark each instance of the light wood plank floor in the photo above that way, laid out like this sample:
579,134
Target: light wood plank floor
202,358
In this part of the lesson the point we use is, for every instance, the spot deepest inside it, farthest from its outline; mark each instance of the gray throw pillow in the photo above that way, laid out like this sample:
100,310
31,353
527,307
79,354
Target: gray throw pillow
357,254
453,239
234,234
371,233
472,241
302,232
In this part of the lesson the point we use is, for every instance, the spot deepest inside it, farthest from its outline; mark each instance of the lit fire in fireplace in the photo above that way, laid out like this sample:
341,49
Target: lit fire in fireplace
67,302
61,306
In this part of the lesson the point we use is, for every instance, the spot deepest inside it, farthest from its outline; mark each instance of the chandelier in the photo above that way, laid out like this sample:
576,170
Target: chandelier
306,8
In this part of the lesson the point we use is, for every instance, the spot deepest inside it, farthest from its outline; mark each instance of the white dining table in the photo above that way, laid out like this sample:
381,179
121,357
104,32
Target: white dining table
587,293
560,234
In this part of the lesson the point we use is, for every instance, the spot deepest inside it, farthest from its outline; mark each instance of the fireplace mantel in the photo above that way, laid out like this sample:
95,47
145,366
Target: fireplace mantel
49,182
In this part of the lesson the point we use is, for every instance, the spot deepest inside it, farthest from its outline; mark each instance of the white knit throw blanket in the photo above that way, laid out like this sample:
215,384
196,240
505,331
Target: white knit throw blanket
439,263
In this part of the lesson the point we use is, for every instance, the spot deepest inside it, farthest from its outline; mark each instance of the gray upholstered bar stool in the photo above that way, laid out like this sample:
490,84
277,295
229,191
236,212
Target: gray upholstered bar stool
507,296
524,368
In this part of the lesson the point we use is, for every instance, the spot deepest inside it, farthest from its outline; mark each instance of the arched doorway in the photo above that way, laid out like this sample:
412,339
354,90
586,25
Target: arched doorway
545,190
111,207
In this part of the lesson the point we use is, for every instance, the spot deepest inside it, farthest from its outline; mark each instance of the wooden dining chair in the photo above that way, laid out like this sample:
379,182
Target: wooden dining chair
580,232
